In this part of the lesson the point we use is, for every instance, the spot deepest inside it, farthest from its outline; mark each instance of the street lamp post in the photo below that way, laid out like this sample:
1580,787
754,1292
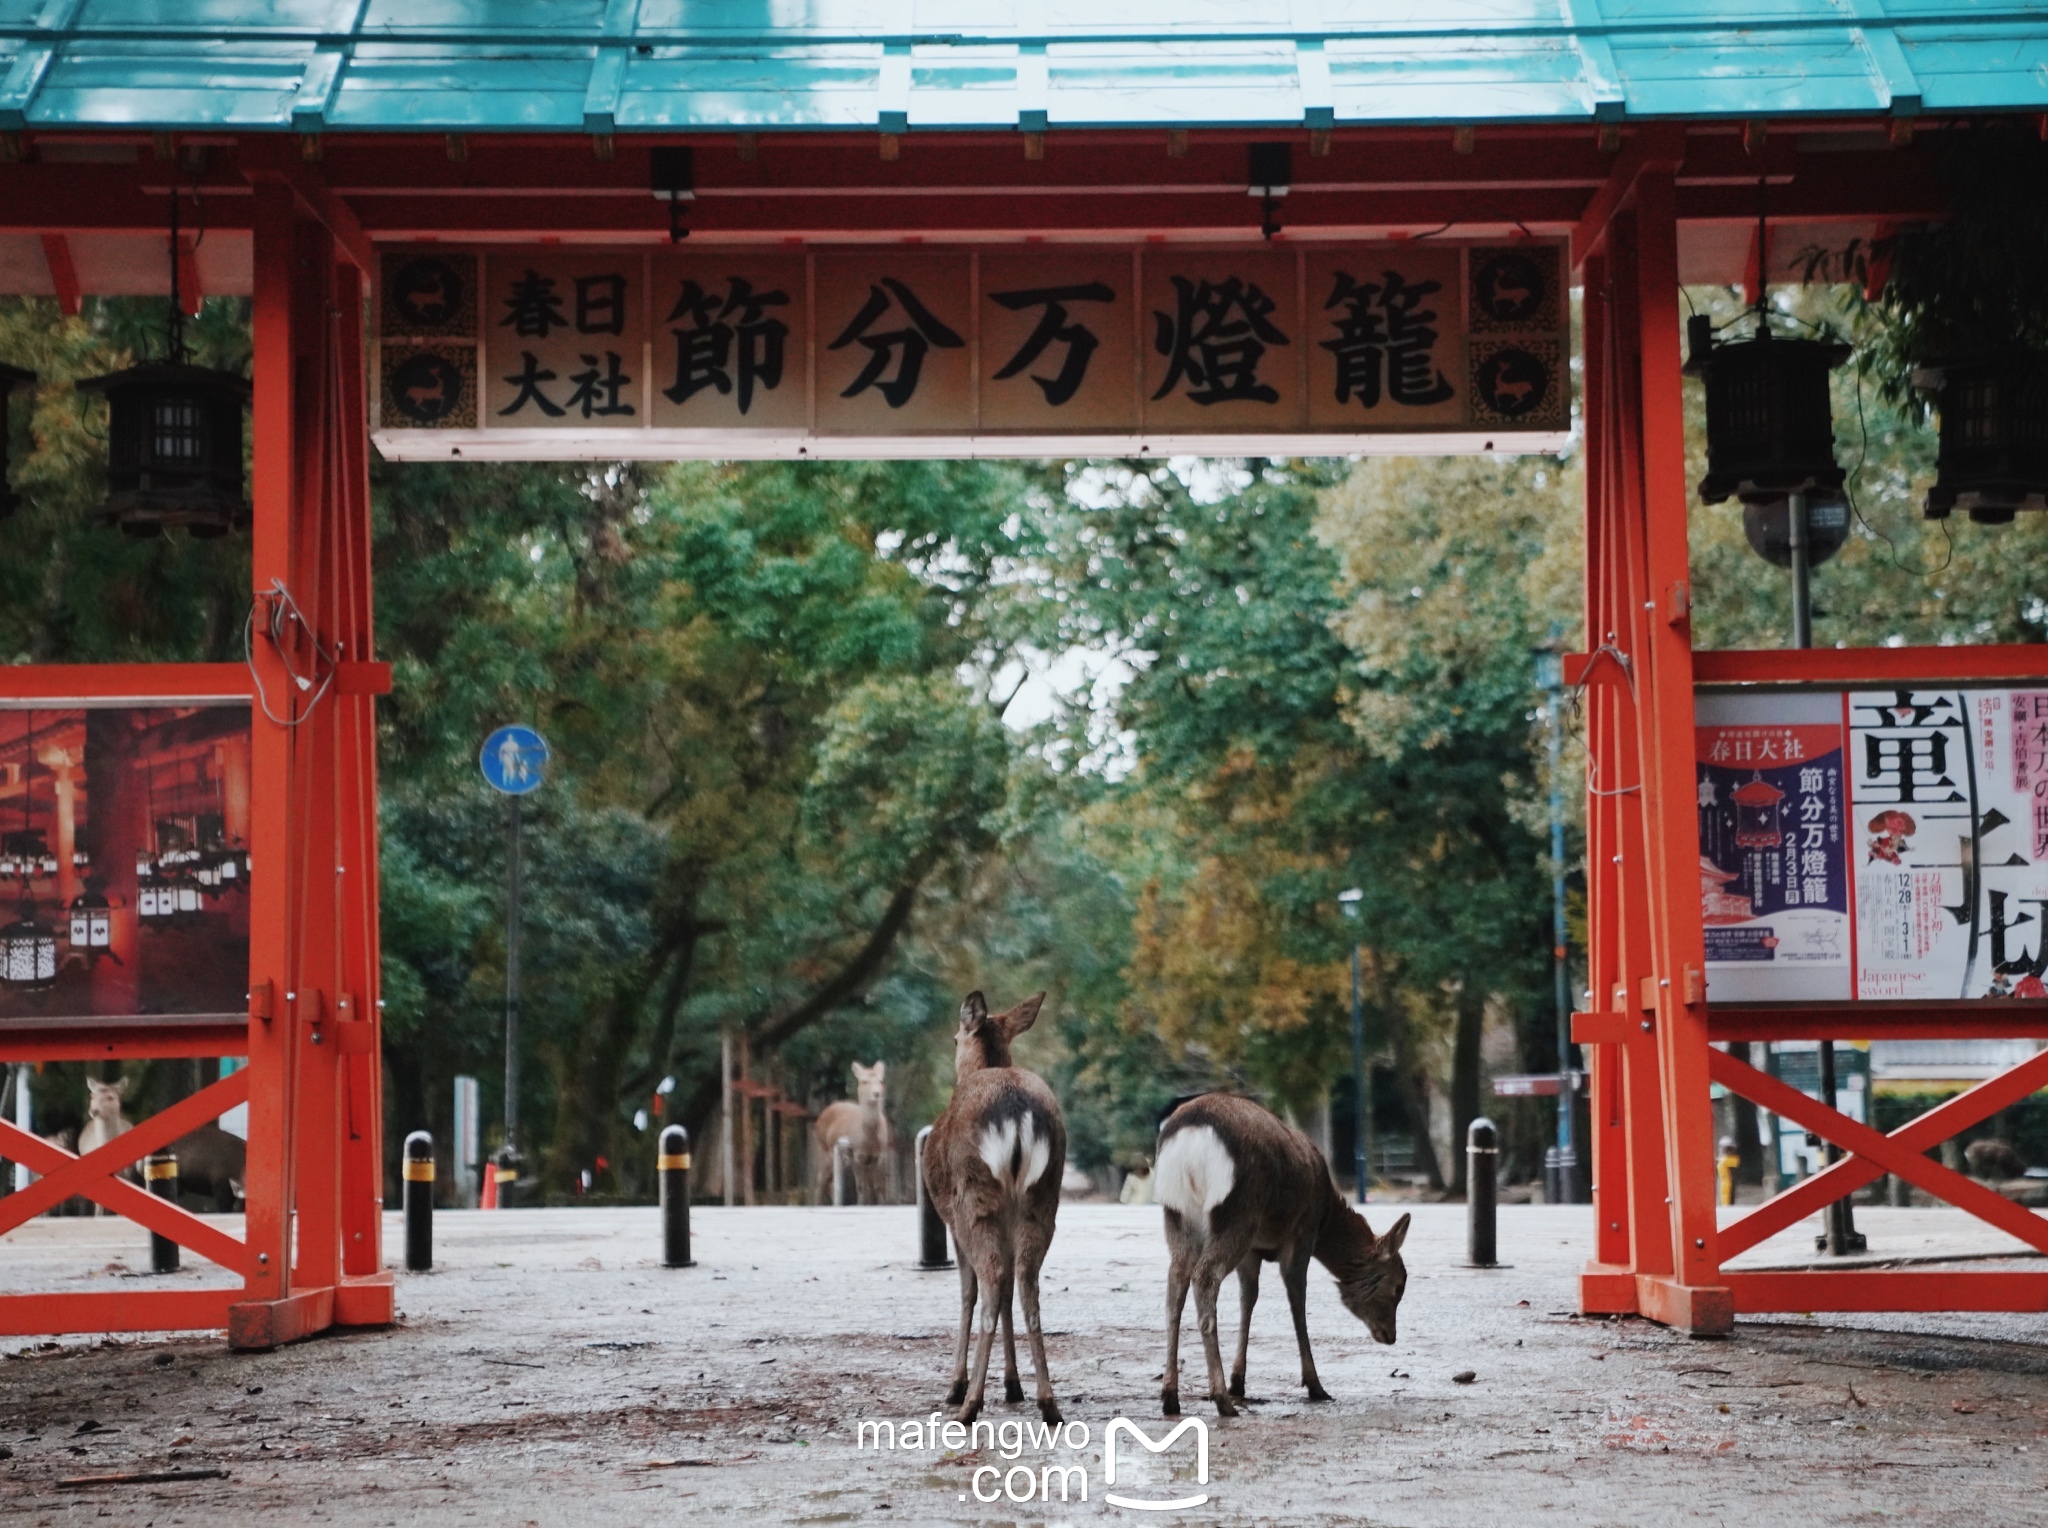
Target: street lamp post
1361,1125
1550,679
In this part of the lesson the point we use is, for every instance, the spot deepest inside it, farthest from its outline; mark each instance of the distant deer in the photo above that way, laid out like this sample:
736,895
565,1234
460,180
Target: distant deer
1240,1187
103,1121
863,1122
992,1166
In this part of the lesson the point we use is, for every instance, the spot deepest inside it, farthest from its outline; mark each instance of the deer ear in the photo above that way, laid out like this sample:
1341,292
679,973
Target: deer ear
1396,1234
1023,1016
973,1012
879,1071
120,1089
860,1072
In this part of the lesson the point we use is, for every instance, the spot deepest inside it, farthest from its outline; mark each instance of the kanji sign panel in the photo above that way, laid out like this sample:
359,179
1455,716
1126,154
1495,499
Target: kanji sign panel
1874,844
1056,331
566,335
896,350
731,342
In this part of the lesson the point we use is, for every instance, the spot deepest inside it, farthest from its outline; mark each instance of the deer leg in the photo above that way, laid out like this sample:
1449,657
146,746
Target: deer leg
1294,1274
995,1277
1013,1387
1027,1294
1207,1282
1176,1303
958,1393
1247,1297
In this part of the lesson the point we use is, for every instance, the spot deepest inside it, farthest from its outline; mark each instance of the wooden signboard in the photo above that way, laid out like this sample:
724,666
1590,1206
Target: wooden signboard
1014,350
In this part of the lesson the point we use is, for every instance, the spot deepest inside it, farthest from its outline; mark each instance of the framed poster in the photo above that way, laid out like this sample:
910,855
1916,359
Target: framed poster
1874,844
124,861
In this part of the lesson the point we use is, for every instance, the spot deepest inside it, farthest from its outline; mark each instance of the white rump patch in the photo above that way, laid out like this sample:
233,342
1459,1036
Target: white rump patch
1195,1173
1015,1152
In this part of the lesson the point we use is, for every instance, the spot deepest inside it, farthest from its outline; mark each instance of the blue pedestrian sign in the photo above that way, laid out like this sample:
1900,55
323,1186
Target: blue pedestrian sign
515,760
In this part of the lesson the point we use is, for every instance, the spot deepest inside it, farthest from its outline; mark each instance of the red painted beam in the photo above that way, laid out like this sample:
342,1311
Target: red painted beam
161,1040
63,273
119,681
1905,1019
1885,1289
131,1310
1873,666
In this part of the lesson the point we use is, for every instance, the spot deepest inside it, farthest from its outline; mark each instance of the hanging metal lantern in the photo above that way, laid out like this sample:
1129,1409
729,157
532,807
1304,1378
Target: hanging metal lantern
1994,437
174,452
1770,421
11,377
92,923
28,952
174,436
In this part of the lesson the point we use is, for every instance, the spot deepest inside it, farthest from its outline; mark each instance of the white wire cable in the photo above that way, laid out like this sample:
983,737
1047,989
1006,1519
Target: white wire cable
283,607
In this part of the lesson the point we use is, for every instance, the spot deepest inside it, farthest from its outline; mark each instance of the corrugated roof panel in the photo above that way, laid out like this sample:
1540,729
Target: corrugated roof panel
1408,15
1440,79
1750,74
206,16
456,65
1118,84
758,18
829,86
1162,18
534,18
140,83
1979,69
459,88
963,15
972,86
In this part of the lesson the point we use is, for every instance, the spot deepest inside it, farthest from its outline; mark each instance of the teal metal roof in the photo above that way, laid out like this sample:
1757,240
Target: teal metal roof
902,65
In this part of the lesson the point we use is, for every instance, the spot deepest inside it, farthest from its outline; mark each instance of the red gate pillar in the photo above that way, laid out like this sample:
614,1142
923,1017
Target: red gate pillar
1652,1149
315,1122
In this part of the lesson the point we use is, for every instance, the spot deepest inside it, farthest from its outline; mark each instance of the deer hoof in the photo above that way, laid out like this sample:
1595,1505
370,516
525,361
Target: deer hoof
1223,1406
1317,1392
1169,1402
1049,1412
1237,1386
1013,1390
957,1394
968,1412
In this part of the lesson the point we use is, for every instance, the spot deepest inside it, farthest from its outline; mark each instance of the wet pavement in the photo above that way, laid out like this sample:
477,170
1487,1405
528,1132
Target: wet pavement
550,1372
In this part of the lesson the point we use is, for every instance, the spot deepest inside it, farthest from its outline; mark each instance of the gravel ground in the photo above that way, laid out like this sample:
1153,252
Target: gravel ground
548,1372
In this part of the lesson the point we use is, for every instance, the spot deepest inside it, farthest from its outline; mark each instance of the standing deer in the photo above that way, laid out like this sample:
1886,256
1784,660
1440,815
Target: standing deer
992,1166
867,1126
104,1122
1240,1187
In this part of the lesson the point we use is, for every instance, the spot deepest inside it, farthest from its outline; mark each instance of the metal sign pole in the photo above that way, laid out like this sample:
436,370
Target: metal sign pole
512,932
514,761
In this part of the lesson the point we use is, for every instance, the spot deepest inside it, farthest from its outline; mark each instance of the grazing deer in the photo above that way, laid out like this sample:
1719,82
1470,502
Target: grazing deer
1240,1187
863,1122
992,1166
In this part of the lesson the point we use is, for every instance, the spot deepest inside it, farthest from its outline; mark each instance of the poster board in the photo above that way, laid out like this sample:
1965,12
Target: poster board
125,873
1874,844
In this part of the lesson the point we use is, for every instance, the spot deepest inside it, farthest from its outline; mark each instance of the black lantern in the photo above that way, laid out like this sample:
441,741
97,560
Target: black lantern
28,952
11,377
174,453
1994,437
174,437
1770,421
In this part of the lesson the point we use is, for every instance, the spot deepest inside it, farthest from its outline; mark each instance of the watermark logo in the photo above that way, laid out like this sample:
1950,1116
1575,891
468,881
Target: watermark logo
1022,1481
1138,1435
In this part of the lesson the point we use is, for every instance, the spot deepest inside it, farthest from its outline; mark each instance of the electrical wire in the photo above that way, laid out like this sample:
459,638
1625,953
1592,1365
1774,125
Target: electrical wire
283,611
